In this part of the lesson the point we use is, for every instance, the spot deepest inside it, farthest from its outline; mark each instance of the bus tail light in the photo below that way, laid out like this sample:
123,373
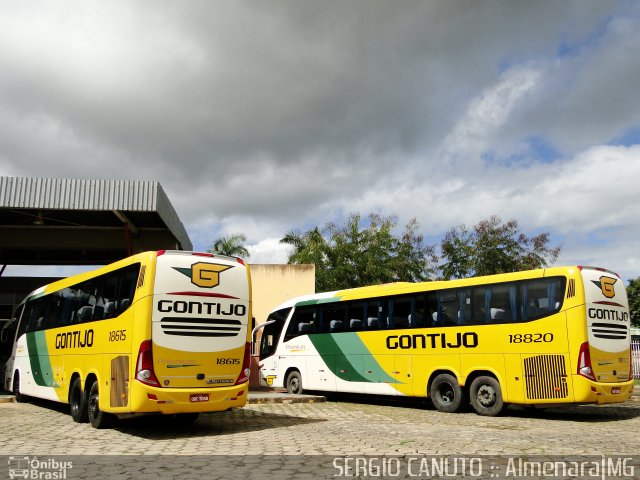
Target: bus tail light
584,362
246,364
144,365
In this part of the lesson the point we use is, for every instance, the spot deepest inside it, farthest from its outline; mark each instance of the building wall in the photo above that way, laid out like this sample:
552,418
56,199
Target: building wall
274,284
271,286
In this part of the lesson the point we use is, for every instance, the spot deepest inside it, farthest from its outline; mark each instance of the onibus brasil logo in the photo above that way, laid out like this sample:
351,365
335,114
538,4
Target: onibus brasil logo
33,467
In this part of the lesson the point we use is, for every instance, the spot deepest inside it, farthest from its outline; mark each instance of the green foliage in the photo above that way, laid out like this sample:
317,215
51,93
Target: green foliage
353,255
232,246
492,247
633,292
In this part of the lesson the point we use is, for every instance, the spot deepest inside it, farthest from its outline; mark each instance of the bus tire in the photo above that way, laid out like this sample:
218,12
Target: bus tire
486,396
20,398
446,393
294,383
78,402
97,417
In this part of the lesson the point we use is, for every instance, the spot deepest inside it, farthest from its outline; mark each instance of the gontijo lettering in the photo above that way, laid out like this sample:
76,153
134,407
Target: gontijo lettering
200,308
435,340
75,339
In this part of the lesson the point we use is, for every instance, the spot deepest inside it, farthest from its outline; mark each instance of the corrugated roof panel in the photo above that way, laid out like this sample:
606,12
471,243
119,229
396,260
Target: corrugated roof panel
92,194
81,194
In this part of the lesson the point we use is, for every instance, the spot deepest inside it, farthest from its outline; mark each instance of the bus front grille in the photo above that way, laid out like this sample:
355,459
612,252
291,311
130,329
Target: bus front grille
545,377
200,327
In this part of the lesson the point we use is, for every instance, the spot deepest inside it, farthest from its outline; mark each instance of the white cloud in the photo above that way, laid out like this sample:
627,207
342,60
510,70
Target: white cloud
269,250
263,119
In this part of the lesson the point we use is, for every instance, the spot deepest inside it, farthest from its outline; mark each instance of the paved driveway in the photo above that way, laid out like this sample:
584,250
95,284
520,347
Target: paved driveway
333,428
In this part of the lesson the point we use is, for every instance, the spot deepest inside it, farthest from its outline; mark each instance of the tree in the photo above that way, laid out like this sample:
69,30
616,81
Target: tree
633,292
231,246
493,247
352,255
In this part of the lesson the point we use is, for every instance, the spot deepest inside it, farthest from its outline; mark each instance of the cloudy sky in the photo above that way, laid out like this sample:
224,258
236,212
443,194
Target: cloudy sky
263,117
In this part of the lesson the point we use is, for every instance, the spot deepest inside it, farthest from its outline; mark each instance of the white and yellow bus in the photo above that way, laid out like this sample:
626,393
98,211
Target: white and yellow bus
539,338
159,332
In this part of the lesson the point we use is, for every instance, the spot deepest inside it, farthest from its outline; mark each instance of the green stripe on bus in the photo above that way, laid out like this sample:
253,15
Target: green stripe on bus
318,301
335,345
39,360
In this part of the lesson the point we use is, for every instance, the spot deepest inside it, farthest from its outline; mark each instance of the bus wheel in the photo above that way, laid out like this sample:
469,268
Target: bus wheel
78,402
294,383
486,396
98,418
20,398
446,393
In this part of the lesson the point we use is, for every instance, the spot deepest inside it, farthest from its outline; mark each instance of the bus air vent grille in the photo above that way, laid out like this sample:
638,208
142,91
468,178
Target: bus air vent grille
200,327
610,331
546,377
571,288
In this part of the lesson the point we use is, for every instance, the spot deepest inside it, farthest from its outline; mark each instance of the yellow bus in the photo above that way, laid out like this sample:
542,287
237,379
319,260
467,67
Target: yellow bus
159,332
538,338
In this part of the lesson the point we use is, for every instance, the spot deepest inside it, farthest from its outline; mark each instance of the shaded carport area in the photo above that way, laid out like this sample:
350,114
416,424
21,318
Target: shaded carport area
46,221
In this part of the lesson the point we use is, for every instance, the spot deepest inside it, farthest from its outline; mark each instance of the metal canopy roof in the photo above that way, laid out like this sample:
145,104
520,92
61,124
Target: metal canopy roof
47,221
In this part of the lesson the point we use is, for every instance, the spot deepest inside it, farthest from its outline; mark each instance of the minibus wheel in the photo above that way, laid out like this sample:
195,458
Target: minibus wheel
486,396
97,417
446,393
78,402
294,383
20,398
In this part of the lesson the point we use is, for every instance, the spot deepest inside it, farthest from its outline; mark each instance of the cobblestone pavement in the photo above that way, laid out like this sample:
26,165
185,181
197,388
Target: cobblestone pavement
340,427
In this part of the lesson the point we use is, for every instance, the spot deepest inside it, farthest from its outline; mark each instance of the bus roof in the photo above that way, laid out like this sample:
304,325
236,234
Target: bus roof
396,288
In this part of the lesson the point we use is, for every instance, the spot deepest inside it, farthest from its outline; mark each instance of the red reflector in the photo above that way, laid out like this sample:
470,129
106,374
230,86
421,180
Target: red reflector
160,252
144,365
240,261
151,396
584,362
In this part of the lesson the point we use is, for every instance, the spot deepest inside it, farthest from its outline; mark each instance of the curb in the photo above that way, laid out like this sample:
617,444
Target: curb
277,397
253,398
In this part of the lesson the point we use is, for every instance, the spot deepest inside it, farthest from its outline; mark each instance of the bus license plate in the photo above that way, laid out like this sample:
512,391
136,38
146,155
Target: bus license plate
615,390
199,397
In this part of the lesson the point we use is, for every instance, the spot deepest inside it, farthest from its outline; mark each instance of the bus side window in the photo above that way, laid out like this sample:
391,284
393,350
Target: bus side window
431,310
127,286
501,302
420,312
401,312
333,317
464,316
303,322
374,315
481,306
541,297
447,308
356,316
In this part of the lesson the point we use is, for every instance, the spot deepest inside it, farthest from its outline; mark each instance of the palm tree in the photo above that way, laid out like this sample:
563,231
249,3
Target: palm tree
231,246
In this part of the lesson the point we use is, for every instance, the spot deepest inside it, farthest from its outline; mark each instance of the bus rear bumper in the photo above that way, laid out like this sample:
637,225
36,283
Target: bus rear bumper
181,400
587,391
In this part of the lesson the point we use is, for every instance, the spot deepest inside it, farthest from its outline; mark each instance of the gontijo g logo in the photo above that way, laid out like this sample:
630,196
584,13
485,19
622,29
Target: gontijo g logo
205,275
606,285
